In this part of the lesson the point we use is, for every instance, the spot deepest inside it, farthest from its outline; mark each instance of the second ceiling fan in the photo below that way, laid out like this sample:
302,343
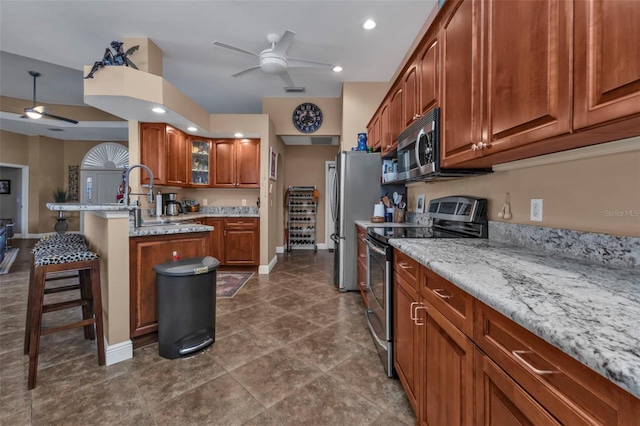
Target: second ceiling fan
40,111
274,60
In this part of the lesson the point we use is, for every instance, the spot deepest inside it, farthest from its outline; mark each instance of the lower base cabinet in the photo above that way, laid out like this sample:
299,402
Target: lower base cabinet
144,254
462,363
235,241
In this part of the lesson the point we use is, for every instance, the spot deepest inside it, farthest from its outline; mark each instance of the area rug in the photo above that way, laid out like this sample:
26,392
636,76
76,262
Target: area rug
228,283
9,258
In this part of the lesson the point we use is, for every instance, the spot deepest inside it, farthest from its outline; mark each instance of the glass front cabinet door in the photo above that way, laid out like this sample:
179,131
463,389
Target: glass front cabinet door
200,169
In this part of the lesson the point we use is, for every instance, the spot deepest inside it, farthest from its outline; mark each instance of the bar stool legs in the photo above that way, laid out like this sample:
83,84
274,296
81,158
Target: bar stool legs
90,302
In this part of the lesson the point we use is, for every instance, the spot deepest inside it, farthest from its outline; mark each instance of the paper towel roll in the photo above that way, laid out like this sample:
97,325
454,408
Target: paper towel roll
378,209
159,204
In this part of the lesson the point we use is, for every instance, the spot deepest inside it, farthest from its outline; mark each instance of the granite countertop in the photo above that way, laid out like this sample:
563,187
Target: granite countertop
77,207
146,231
588,310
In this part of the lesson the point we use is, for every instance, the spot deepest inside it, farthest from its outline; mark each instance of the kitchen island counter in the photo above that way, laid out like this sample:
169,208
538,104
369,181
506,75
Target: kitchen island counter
588,310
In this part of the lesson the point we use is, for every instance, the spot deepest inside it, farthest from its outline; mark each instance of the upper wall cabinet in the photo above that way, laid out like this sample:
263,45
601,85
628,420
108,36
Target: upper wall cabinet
177,161
153,148
607,61
200,153
527,64
428,74
411,94
237,163
460,82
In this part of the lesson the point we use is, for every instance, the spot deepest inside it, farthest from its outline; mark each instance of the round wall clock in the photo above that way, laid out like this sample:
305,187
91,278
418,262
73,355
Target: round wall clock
307,117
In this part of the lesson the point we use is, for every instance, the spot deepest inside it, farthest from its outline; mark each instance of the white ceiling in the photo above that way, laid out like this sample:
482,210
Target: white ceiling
57,38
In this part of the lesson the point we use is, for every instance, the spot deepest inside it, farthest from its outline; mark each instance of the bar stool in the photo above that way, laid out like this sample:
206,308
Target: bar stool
87,263
48,248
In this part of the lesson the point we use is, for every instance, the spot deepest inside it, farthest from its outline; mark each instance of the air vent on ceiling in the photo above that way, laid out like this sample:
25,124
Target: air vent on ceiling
56,130
321,140
292,89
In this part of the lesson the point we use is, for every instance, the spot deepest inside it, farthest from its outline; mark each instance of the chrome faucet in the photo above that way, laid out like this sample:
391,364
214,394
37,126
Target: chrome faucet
126,183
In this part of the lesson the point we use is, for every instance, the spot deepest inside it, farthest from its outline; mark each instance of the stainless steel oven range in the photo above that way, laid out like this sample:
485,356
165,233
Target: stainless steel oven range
449,217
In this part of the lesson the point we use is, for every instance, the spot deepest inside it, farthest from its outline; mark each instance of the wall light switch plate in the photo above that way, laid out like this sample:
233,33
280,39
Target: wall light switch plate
205,202
244,202
536,210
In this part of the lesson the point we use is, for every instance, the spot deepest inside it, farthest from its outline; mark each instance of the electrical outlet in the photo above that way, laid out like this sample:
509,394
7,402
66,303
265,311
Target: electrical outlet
536,210
244,202
205,202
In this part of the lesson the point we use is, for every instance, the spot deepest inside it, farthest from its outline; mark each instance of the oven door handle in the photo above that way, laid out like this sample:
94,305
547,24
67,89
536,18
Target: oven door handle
378,340
373,246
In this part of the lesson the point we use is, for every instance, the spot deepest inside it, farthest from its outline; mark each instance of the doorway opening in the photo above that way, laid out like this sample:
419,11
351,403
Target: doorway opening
14,203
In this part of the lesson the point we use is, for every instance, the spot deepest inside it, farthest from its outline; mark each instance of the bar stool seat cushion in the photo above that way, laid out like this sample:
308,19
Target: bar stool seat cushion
59,248
59,258
60,238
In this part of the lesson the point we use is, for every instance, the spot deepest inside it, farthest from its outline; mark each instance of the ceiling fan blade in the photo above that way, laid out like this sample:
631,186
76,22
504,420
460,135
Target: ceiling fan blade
283,45
57,117
237,49
286,78
247,71
306,63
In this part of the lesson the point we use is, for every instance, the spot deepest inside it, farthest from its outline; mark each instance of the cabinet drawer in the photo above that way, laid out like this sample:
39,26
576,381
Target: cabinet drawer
570,391
241,222
406,267
452,302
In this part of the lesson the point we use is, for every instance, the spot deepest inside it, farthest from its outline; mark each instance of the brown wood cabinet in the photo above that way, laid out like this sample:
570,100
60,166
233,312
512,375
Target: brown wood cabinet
217,237
395,122
177,162
500,401
460,36
362,265
407,338
454,353
144,254
236,163
241,241
411,87
199,159
429,74
607,62
153,152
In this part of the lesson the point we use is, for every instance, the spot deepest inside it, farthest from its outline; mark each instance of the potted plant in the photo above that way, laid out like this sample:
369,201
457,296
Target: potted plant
60,196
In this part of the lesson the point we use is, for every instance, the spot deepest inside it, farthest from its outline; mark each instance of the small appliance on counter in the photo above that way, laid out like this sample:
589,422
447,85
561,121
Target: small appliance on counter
449,217
172,206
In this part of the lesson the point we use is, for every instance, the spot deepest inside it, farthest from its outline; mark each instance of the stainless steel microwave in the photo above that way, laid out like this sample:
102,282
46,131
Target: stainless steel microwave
419,152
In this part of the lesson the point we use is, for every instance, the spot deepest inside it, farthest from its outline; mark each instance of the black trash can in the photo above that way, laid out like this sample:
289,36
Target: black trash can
186,305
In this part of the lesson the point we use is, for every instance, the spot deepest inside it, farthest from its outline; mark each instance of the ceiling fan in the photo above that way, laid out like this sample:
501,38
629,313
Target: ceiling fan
274,60
40,111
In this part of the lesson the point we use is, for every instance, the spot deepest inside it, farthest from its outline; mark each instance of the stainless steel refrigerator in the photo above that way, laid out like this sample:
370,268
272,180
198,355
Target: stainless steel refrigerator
356,189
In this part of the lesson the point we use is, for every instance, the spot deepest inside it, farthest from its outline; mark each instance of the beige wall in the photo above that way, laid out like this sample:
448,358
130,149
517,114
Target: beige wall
305,167
280,110
580,194
359,102
48,160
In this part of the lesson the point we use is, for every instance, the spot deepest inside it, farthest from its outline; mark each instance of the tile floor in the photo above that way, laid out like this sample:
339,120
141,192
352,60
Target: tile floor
290,350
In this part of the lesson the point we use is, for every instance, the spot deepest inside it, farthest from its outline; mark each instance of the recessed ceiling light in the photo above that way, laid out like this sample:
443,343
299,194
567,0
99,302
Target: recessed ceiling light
337,68
192,129
158,110
238,135
369,25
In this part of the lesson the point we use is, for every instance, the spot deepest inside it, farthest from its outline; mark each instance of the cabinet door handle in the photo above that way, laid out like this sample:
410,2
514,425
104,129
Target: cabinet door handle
516,353
405,265
411,313
417,320
440,293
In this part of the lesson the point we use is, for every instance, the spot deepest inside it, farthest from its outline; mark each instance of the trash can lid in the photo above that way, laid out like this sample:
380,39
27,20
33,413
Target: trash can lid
187,267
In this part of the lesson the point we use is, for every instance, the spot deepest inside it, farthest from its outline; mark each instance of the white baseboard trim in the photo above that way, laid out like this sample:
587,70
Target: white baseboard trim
266,269
118,352
280,249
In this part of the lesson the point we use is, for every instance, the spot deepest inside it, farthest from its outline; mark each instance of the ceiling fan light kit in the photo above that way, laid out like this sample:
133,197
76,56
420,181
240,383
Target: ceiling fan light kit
274,60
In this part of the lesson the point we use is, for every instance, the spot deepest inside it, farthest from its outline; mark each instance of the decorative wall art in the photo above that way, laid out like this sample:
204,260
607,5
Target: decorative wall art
420,204
5,186
120,58
273,164
74,183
